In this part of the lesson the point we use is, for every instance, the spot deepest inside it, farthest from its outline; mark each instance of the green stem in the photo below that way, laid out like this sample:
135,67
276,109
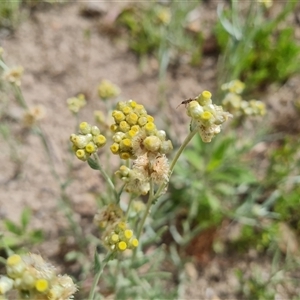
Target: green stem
153,196
75,227
97,277
128,207
38,130
16,88
107,178
19,96
149,203
3,65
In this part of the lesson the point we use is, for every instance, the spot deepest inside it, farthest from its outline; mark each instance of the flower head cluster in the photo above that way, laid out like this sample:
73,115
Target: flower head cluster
117,235
235,104
206,116
107,90
76,103
33,115
35,279
135,132
164,15
146,168
136,136
235,86
120,237
14,75
87,141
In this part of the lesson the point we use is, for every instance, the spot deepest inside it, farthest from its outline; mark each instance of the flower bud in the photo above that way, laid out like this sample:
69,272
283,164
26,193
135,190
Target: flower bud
85,128
152,143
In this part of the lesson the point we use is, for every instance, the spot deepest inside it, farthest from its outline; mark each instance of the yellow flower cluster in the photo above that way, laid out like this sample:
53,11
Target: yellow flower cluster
14,75
35,279
164,15
88,141
33,115
120,238
107,90
76,103
206,116
135,132
235,104
136,137
235,86
117,236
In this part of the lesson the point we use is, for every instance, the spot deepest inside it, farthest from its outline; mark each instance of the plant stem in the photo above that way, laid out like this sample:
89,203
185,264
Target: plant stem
175,159
16,88
97,277
149,203
128,207
153,196
3,65
107,178
19,96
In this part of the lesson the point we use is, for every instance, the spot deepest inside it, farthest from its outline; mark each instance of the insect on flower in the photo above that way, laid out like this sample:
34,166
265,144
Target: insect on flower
186,101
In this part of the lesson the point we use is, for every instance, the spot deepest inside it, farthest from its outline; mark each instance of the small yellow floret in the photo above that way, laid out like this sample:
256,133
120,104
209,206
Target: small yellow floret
124,171
125,144
142,121
135,243
152,143
114,127
135,128
125,155
206,94
100,140
114,148
41,285
133,104
150,118
132,118
13,260
85,127
126,110
150,127
124,126
118,116
122,246
80,153
90,148
131,133
114,238
206,115
128,233
204,98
